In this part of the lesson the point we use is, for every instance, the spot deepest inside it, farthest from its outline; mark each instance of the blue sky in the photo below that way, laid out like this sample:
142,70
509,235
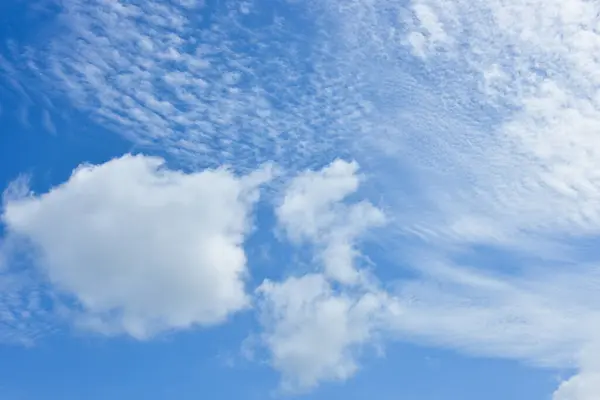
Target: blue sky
299,199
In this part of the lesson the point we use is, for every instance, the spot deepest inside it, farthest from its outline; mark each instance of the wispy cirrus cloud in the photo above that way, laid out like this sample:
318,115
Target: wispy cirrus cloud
507,155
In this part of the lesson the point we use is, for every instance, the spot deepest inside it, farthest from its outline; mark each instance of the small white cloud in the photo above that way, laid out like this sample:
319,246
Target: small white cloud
142,248
313,210
316,325
313,333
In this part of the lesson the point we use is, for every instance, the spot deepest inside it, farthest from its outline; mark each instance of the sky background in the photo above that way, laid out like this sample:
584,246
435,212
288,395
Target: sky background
309,199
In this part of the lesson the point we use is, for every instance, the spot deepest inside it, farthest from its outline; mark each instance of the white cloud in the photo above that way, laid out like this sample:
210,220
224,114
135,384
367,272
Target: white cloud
534,319
546,317
142,248
429,34
313,210
313,333
586,384
542,177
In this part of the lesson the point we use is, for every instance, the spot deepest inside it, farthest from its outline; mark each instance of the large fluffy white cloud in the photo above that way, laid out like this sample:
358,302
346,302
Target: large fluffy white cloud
140,247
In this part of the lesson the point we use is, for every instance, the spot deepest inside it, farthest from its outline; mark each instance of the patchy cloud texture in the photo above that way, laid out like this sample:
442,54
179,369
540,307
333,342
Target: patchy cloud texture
237,87
142,248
